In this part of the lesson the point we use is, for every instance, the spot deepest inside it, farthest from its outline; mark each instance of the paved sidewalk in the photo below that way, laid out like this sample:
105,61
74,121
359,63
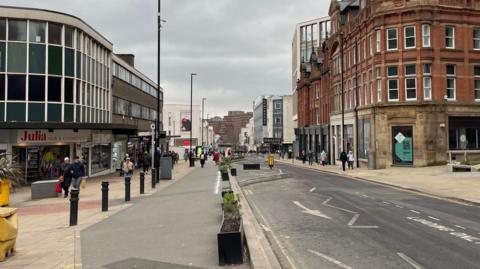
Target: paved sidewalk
435,180
174,228
46,241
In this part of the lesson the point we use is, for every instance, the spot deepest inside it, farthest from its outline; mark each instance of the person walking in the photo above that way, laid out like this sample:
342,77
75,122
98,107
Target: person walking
127,167
323,157
202,159
216,157
66,176
351,159
185,155
78,171
147,161
310,158
304,156
343,159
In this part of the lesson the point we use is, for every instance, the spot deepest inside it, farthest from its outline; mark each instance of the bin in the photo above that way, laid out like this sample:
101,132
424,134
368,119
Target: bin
4,193
166,167
8,231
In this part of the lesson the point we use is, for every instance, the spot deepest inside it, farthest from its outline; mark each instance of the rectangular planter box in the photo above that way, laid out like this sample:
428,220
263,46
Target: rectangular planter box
225,176
233,171
230,246
251,166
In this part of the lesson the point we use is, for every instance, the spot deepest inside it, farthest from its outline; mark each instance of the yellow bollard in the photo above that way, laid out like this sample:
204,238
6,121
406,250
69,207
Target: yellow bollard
8,231
4,192
270,161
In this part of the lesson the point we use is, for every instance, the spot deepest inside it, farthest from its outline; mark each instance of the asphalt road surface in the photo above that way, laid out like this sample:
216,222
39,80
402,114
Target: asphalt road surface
317,220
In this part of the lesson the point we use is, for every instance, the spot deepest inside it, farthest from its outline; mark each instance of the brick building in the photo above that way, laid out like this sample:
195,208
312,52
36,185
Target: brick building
230,126
410,80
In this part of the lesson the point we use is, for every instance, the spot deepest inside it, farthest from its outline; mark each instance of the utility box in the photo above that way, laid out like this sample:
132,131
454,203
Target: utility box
166,167
8,231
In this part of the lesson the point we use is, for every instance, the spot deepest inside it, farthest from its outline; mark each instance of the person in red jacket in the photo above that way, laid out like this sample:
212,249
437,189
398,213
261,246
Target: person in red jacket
216,157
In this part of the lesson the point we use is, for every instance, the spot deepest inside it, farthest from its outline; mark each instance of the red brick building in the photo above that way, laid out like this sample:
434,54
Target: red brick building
410,80
230,126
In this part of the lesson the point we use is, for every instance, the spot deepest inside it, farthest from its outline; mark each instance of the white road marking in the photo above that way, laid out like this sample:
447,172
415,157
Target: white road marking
330,259
416,212
217,186
265,228
364,196
451,231
280,170
310,211
387,203
410,261
461,227
430,217
354,218
312,189
399,206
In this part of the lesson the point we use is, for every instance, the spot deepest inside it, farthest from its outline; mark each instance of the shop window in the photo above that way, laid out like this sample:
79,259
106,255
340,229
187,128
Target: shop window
3,29
2,87
68,94
55,33
54,89
68,113
16,87
36,88
69,31
36,58
54,113
36,112
54,60
69,62
17,30
364,138
15,111
37,32
17,53
2,56
101,158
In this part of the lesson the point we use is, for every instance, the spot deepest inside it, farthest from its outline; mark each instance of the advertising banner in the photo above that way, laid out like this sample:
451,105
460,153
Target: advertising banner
186,122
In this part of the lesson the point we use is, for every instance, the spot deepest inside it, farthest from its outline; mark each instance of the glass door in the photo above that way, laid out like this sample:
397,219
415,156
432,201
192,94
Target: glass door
402,145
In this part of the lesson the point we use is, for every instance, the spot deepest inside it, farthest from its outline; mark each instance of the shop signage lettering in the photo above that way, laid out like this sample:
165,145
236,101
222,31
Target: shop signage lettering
57,136
33,136
264,112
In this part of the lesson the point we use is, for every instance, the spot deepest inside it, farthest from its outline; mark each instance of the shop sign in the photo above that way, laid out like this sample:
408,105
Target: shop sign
264,112
57,136
100,138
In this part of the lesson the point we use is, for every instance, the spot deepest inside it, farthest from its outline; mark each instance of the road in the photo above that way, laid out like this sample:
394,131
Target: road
317,220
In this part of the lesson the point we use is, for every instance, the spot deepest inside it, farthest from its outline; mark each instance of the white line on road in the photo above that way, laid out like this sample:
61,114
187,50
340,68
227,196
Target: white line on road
265,228
399,206
312,189
310,211
410,261
280,170
430,217
461,227
387,203
416,212
217,186
354,218
330,259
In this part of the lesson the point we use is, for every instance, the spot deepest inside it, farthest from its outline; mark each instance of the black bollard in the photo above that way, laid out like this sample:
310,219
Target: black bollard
142,182
153,178
127,188
73,207
104,196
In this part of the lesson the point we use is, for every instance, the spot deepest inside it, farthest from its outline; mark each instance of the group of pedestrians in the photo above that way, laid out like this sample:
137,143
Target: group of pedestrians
347,159
71,174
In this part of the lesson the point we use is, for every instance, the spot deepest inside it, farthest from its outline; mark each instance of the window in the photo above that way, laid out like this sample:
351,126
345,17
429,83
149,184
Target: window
36,88
54,60
36,112
2,89
425,35
427,81
68,94
3,31
477,83
409,34
17,30
317,91
379,84
16,87
55,33
451,82
16,111
37,32
54,112
392,39
36,58
392,83
2,56
69,36
54,89
370,49
410,82
18,52
476,39
377,41
450,37
69,62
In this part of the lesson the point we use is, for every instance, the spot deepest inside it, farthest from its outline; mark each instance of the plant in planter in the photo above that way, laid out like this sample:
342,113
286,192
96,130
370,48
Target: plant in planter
225,164
9,175
230,237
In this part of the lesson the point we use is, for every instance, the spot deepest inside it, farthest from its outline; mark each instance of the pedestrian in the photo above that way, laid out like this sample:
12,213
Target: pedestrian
127,167
351,159
202,159
147,161
310,158
343,159
66,176
185,155
216,157
304,156
323,157
77,171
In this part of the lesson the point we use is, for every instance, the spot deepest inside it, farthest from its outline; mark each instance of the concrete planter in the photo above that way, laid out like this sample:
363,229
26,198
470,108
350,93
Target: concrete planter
225,176
231,246
233,171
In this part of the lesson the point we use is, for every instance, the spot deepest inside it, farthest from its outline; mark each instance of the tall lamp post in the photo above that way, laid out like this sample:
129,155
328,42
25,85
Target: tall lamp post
203,118
192,161
157,122
208,129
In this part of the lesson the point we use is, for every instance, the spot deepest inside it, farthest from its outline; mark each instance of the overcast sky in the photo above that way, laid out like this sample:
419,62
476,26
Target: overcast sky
240,49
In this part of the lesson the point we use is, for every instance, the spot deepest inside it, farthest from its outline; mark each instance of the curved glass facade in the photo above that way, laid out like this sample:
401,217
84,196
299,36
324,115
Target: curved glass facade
52,72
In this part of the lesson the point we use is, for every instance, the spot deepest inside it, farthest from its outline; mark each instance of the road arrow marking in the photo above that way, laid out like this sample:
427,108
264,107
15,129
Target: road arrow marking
312,189
310,211
354,218
410,261
330,259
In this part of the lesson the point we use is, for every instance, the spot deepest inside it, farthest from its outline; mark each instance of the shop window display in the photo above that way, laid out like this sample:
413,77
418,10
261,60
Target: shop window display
101,158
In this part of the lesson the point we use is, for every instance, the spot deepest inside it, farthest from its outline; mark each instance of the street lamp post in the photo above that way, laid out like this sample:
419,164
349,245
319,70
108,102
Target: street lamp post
157,121
208,131
203,119
192,161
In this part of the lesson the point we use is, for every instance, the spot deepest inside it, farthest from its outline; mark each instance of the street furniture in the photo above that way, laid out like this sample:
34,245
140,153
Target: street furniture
8,231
